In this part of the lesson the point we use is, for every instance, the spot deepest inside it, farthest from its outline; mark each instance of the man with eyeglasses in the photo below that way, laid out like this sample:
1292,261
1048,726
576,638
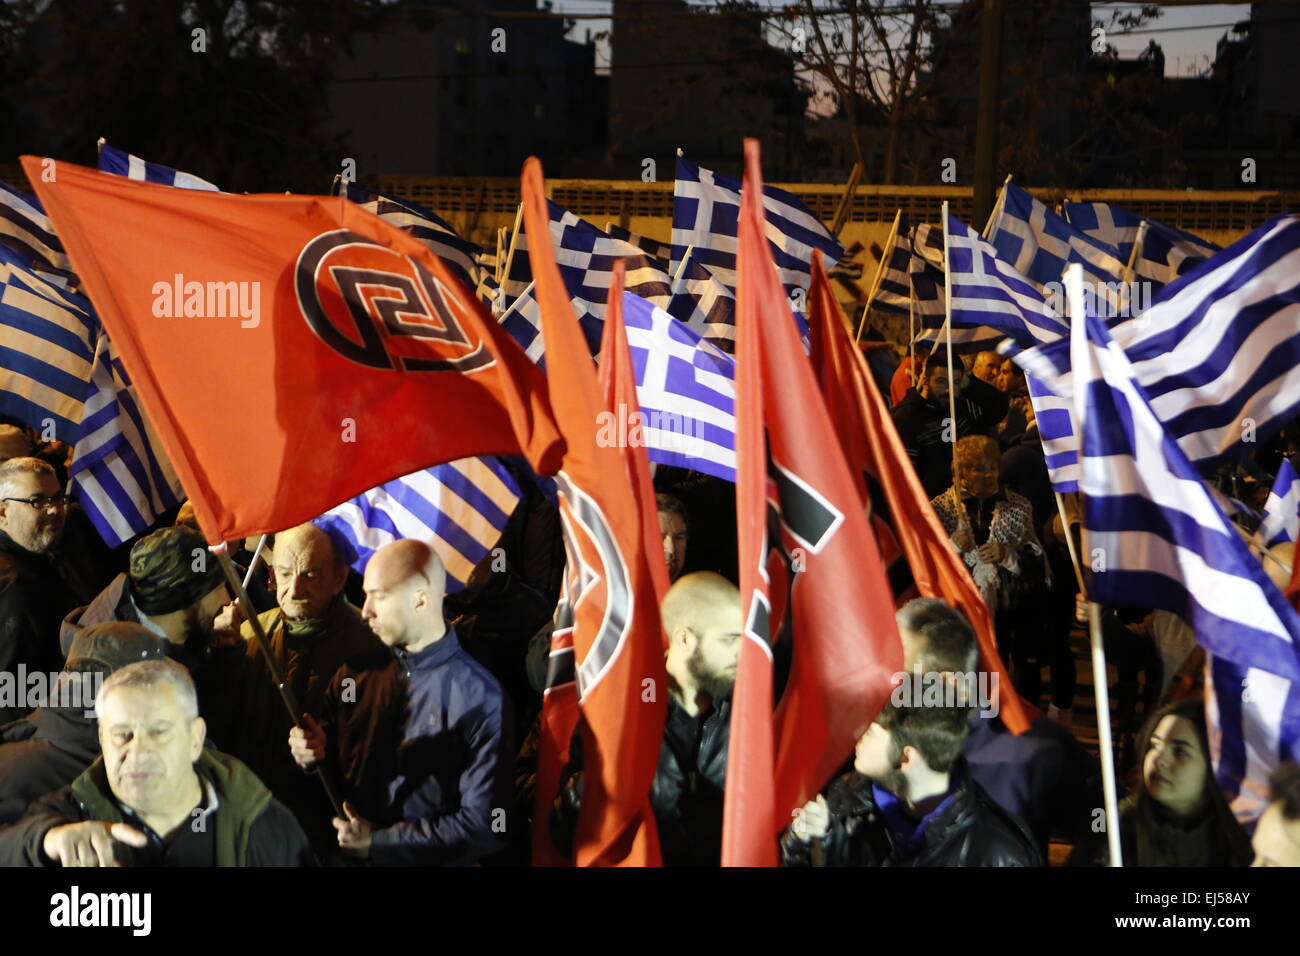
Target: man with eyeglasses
33,594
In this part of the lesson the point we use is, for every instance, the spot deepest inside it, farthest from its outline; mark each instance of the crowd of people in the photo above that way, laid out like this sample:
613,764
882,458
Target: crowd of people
386,722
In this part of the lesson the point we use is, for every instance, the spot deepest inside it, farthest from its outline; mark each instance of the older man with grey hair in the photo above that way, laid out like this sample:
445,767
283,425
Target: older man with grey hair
157,796
33,594
311,634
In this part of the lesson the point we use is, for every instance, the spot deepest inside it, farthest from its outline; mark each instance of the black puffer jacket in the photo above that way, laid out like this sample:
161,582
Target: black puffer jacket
44,751
969,830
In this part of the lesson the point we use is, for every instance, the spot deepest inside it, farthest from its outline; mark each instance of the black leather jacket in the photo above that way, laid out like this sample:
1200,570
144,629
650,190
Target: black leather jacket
689,784
971,830
686,794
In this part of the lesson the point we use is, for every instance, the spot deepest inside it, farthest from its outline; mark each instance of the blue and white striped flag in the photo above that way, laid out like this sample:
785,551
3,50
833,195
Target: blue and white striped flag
119,471
686,388
1156,538
26,230
1039,243
1166,252
908,274
988,294
114,160
47,348
459,509
1282,510
655,247
1218,352
458,253
706,207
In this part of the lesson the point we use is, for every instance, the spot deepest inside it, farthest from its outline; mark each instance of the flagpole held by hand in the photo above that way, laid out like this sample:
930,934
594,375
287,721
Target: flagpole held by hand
259,637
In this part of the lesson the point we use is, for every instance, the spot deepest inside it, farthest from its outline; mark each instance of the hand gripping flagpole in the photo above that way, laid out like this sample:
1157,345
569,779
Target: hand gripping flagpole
264,645
1074,296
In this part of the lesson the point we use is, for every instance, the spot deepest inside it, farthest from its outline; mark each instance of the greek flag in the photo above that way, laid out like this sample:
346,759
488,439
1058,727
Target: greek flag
26,230
1039,243
47,348
1218,352
1166,252
1282,510
706,207
443,241
990,298
686,388
908,274
523,320
1157,538
655,247
459,508
988,291
114,160
586,258
119,472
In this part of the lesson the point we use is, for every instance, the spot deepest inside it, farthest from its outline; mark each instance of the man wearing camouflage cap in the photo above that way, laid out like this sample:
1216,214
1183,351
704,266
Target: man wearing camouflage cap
50,747
174,589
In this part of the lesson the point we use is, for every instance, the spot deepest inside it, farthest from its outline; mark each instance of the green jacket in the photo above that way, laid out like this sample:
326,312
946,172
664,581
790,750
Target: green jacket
241,798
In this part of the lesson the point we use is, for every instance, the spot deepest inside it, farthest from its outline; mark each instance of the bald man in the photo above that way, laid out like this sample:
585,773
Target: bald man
418,732
312,632
987,367
701,616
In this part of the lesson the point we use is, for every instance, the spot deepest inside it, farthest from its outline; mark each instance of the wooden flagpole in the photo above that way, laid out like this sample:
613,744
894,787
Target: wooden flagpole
277,676
504,273
880,274
997,208
846,200
681,267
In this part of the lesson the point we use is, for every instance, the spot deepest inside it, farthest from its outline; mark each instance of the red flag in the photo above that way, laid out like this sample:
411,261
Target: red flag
618,382
618,652
888,486
802,528
292,351
559,702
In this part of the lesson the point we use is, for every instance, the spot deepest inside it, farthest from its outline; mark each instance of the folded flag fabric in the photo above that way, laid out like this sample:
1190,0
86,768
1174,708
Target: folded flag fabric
114,160
1282,510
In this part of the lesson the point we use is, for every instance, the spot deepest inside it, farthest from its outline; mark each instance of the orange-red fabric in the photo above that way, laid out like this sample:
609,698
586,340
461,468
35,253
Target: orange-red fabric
618,653
617,377
845,647
364,360
875,453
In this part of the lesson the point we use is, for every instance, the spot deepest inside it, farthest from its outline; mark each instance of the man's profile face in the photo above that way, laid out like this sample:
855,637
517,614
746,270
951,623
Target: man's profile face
871,755
672,532
390,607
307,577
988,366
1277,839
202,615
150,745
716,656
32,529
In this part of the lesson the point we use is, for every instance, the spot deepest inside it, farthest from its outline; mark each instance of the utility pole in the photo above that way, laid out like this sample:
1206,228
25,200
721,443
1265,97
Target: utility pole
986,125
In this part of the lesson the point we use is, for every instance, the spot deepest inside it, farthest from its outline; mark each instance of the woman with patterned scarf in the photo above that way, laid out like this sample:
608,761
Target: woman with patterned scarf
993,530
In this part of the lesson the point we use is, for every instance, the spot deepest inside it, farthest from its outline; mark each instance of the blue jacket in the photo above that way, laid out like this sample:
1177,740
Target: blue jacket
1044,776
420,743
